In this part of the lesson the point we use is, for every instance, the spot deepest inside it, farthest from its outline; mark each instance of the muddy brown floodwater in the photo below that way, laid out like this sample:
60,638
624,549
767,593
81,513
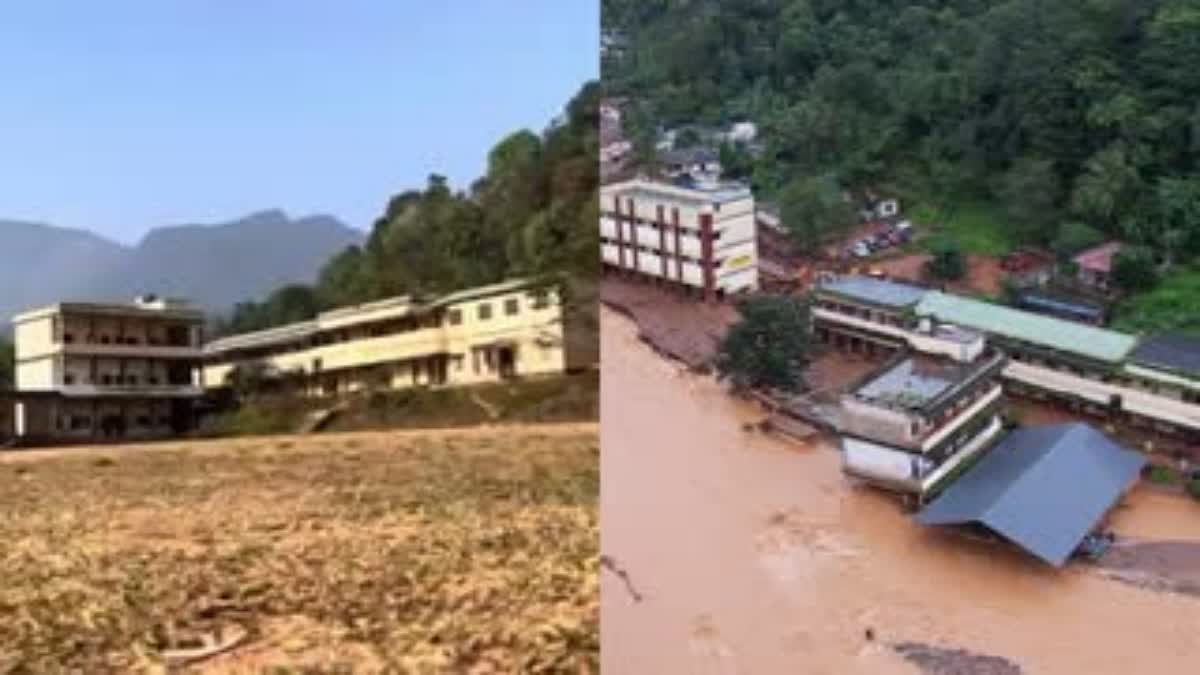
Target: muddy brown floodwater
748,555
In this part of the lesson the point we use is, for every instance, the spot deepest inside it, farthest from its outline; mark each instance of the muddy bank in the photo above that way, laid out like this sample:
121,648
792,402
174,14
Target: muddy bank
679,327
749,557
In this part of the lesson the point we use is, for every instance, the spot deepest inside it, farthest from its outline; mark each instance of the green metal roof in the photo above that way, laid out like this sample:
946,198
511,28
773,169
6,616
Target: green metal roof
1067,336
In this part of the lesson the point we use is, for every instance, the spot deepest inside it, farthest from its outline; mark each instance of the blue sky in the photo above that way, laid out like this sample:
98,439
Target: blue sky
122,115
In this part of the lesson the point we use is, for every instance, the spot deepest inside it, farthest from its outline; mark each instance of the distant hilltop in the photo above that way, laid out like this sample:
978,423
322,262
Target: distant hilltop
213,265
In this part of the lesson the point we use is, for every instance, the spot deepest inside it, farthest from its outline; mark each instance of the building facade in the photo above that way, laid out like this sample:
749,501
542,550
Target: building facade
700,240
910,424
90,371
1095,265
486,334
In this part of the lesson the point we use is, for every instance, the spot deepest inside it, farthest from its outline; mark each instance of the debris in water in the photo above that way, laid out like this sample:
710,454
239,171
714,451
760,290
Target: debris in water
612,566
941,661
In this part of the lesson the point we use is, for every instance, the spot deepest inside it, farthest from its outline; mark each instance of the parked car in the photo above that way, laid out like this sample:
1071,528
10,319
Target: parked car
861,250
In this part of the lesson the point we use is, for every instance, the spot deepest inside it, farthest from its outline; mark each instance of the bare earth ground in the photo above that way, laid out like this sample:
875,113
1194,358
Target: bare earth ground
747,557
984,274
462,551
681,327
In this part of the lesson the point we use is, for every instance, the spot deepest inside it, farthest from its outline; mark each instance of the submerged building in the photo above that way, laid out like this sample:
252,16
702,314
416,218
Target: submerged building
87,371
910,424
701,240
1152,382
486,334
1043,488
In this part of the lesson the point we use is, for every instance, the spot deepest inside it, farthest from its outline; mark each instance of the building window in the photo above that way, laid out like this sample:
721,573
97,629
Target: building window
541,300
454,317
511,306
485,311
68,379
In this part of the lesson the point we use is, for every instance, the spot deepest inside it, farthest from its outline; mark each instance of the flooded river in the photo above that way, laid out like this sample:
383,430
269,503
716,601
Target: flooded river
746,554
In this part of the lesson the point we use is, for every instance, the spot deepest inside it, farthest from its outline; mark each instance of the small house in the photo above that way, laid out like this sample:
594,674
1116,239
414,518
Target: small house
1095,265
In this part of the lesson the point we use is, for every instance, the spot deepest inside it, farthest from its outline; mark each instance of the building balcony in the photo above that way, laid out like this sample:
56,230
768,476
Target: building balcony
139,351
129,390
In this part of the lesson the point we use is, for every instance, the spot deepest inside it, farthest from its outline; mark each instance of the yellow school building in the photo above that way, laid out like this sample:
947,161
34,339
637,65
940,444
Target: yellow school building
487,334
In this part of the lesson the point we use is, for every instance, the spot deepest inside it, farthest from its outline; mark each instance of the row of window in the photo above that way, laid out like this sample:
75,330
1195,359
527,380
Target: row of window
649,250
69,338
876,316
453,317
483,311
716,206
115,380
671,229
84,422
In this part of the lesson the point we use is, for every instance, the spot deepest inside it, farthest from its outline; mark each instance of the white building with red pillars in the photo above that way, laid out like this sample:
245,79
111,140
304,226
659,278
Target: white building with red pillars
701,240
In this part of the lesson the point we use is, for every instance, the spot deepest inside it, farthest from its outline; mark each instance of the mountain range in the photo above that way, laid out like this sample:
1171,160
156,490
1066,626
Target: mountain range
214,266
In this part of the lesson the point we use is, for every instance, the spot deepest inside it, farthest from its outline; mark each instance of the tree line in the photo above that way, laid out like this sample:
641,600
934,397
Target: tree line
1081,120
533,214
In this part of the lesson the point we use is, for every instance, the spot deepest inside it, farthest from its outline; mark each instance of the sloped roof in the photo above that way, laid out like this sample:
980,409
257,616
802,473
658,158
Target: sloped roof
1043,488
1098,343
1169,351
1099,258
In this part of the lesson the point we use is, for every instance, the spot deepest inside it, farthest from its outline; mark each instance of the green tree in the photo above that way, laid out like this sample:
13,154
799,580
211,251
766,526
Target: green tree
945,99
736,162
345,279
7,364
1134,269
814,209
687,137
1030,193
948,262
1109,182
768,346
1074,237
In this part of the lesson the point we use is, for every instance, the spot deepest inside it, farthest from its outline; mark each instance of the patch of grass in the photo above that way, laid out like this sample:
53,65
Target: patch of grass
423,552
560,399
978,227
1162,475
1173,305
1194,488
570,398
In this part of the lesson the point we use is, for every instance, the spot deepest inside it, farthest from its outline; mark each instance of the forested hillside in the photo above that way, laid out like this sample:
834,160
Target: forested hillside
1084,112
533,214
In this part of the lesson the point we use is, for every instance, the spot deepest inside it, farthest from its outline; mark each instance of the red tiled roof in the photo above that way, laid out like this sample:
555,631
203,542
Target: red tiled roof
1099,259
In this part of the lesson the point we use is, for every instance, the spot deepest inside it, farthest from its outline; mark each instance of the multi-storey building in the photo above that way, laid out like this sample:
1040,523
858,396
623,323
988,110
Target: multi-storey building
479,335
701,240
1102,371
104,371
908,425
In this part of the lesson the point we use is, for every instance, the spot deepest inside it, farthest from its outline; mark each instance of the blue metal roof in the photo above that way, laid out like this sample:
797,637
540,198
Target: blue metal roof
1169,351
1054,305
1043,488
876,291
